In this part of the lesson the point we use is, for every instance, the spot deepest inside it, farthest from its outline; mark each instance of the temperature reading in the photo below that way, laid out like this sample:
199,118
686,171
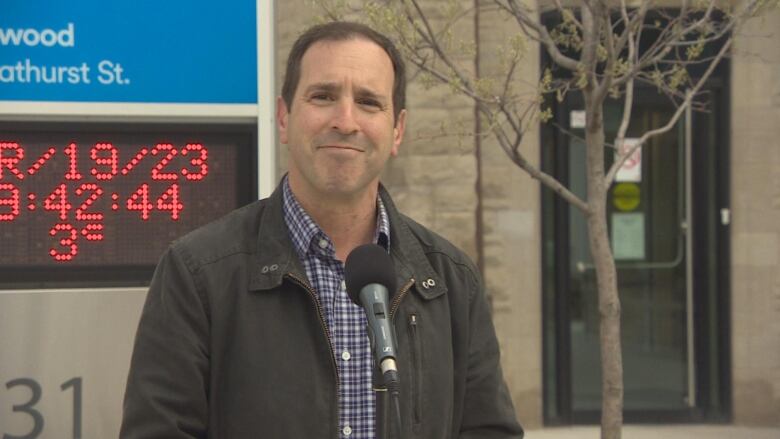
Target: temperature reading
75,199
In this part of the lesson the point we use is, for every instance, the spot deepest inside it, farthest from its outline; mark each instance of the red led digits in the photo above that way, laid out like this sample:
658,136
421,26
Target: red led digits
139,201
134,161
169,200
199,161
156,171
73,154
104,175
58,201
111,161
12,201
69,242
41,161
10,155
93,232
81,215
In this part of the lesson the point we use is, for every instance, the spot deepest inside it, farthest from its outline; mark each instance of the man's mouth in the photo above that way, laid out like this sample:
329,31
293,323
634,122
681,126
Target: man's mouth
341,147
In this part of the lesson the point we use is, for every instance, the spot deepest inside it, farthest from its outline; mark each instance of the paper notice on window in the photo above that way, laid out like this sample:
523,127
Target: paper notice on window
631,170
628,236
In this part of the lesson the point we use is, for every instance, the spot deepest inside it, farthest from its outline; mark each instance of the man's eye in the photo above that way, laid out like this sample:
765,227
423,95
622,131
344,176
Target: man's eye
370,103
321,97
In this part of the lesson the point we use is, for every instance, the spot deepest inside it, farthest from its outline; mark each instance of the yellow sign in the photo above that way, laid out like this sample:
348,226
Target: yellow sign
626,196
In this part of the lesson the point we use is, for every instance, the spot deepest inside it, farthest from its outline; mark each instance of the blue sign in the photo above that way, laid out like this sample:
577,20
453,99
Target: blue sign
162,51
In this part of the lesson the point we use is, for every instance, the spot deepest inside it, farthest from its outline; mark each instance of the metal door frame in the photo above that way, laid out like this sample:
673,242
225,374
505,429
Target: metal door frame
557,358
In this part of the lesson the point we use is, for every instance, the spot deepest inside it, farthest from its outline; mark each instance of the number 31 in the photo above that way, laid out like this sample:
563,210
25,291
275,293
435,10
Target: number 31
29,406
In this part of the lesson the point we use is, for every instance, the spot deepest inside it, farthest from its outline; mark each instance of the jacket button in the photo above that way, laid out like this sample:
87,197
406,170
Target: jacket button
264,269
431,283
274,267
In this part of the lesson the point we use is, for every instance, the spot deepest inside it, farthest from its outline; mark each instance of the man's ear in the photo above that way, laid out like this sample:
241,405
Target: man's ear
398,132
281,119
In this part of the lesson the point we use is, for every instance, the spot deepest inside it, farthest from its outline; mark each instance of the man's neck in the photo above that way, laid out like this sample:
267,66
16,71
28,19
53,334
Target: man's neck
348,221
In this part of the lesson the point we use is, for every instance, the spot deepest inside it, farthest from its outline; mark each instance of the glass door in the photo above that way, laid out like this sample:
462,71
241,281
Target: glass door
670,306
648,222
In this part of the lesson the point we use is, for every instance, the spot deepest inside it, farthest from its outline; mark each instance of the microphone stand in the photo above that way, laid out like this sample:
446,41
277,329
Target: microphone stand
391,384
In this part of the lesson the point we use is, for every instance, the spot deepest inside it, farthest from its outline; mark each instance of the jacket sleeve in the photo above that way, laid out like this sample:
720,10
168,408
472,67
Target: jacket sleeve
167,386
488,411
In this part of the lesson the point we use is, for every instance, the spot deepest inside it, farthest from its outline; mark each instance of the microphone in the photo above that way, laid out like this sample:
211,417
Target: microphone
369,276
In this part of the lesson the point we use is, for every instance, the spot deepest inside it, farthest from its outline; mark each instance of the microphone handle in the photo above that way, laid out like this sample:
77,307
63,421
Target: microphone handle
374,298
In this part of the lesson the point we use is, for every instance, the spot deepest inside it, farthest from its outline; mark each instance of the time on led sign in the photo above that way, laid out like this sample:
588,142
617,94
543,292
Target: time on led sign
78,194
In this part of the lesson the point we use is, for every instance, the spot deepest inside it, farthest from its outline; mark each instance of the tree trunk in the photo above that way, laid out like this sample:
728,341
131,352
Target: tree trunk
606,277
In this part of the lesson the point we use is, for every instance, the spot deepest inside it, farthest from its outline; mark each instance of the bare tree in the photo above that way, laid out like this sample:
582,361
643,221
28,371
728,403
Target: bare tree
597,44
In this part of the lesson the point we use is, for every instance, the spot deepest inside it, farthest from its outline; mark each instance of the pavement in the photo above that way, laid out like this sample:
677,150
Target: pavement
659,432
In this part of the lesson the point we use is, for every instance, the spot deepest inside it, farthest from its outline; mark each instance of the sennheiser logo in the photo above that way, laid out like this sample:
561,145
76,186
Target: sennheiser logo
34,37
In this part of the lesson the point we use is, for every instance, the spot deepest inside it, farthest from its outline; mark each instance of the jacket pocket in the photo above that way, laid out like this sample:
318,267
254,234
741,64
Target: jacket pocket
416,349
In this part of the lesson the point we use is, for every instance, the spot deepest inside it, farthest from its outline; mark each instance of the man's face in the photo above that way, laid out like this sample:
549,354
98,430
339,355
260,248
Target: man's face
340,129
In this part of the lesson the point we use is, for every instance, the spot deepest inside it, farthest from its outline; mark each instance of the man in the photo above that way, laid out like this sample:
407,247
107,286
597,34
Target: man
247,330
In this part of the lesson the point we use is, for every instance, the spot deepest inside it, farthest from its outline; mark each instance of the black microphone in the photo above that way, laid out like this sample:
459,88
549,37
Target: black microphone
370,276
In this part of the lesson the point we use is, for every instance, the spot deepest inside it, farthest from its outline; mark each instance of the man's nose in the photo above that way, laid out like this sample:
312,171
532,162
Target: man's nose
344,118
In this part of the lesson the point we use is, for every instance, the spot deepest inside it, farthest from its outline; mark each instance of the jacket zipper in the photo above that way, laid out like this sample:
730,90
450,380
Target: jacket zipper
417,361
394,305
324,325
399,296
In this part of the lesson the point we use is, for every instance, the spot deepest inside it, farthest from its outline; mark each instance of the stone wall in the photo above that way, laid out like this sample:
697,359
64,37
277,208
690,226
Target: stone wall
755,230
512,236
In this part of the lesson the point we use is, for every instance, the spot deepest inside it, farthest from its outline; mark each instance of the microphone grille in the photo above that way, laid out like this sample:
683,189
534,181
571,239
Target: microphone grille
368,264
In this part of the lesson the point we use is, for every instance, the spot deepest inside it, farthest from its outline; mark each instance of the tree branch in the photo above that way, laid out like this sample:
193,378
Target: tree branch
628,103
525,22
664,44
675,117
512,151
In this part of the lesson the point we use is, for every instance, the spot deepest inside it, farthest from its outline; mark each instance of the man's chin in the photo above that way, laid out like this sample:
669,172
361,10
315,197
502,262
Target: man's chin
341,188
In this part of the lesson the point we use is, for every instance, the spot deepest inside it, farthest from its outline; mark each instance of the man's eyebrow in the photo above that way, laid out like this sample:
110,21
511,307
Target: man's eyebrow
363,92
322,86
332,87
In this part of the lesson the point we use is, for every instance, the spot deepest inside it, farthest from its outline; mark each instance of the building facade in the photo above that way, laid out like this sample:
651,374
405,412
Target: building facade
701,304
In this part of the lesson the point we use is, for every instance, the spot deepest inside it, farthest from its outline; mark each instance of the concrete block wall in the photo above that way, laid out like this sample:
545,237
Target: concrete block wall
755,230
512,233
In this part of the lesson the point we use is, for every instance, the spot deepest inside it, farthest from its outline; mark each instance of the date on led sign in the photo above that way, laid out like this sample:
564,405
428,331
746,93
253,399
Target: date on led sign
67,199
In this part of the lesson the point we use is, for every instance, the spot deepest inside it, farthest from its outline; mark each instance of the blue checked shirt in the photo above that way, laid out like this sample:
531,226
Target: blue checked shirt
346,321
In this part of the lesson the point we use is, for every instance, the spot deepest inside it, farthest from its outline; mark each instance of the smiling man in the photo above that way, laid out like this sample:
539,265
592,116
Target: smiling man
247,330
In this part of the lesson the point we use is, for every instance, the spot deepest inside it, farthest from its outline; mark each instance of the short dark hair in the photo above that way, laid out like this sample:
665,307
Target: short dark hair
342,31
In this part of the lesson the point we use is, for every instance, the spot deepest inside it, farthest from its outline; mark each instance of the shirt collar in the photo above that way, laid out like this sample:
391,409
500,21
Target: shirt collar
308,237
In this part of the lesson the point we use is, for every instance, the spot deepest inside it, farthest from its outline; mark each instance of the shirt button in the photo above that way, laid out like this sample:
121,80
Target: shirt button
347,430
346,356
323,243
343,286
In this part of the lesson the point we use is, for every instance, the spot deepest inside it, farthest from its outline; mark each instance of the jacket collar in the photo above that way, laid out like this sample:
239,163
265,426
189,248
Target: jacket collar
408,255
275,253
276,256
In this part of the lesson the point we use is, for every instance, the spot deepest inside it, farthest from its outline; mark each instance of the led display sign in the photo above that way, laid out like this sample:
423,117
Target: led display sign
109,197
